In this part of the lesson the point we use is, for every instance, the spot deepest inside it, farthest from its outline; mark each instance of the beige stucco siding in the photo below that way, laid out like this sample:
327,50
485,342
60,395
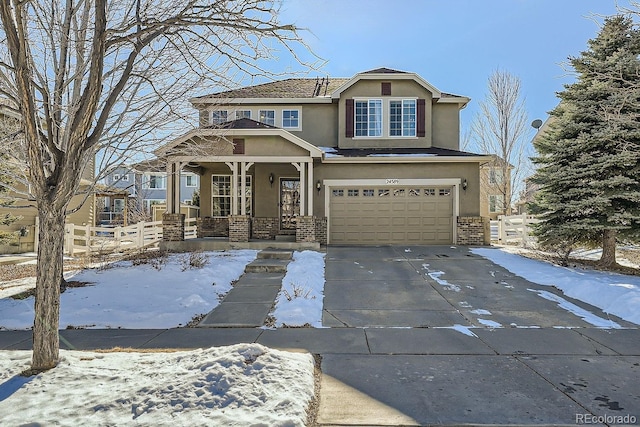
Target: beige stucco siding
372,89
271,146
446,126
319,124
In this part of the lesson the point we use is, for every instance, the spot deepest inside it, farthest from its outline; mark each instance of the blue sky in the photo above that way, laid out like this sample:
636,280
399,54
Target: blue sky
454,44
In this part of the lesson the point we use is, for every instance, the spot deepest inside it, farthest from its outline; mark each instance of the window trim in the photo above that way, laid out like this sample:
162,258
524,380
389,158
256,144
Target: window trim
298,118
402,117
146,184
238,116
249,196
218,122
385,120
496,172
186,180
369,121
260,112
495,204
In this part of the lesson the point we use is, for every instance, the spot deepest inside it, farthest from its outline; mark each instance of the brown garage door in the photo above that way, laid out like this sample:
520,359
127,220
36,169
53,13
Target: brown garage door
383,215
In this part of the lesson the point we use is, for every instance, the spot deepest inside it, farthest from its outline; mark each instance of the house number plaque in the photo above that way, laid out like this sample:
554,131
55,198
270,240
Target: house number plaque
392,181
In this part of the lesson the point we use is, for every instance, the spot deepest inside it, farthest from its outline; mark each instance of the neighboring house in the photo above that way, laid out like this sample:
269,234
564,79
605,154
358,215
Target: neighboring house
372,159
495,188
530,189
138,188
25,207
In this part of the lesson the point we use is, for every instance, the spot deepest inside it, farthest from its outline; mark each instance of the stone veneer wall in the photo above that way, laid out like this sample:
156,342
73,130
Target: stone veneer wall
239,228
172,227
265,228
473,231
321,230
212,227
306,229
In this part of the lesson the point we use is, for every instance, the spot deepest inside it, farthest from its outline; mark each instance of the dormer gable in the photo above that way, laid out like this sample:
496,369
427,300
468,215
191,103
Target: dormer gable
386,108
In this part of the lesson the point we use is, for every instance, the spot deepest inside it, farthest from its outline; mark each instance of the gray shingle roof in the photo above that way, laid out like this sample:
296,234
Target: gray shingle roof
289,88
297,88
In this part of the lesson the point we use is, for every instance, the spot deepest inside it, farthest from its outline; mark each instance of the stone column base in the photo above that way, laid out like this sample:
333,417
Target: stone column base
172,227
306,229
239,228
473,231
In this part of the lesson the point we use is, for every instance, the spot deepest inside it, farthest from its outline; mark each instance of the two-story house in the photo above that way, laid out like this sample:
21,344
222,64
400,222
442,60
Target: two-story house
372,159
25,229
132,191
495,188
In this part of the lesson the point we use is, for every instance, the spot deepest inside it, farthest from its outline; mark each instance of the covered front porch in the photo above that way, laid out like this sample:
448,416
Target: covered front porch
258,192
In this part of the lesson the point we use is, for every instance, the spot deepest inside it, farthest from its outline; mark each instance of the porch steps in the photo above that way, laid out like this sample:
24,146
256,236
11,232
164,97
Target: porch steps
275,254
252,297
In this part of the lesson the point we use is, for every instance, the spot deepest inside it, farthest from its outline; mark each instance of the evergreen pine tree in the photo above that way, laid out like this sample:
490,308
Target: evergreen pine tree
589,160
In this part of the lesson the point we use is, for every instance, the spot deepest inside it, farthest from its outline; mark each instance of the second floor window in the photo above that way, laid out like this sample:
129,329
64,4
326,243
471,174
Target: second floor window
243,114
155,182
495,176
402,118
218,117
368,120
191,180
290,119
268,117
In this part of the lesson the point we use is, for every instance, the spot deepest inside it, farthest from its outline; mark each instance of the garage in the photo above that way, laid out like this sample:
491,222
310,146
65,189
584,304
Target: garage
370,215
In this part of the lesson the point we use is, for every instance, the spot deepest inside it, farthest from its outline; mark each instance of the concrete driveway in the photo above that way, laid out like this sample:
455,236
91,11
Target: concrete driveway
435,286
454,339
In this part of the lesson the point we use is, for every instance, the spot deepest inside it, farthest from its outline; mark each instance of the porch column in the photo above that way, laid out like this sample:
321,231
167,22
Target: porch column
171,189
310,188
177,201
243,186
301,172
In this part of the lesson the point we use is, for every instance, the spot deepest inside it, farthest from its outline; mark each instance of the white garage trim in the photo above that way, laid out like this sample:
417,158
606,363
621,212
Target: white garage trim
392,182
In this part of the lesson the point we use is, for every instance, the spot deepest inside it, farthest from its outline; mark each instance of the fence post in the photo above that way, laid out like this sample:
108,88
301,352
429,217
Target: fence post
117,235
140,226
87,241
36,235
69,231
501,232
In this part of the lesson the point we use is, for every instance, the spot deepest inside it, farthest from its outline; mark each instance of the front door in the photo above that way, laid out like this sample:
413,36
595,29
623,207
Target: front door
289,203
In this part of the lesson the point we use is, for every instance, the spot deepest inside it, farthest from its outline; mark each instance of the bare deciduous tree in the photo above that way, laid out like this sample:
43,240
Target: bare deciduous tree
502,128
105,80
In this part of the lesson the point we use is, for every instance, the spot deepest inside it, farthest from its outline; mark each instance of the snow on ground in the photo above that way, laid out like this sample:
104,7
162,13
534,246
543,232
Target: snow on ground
139,297
613,293
241,385
300,299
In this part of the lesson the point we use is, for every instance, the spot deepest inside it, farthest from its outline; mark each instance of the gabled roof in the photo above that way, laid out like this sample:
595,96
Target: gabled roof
304,90
238,128
384,70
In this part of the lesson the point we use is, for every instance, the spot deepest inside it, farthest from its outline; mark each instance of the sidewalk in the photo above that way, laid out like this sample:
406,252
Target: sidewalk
420,376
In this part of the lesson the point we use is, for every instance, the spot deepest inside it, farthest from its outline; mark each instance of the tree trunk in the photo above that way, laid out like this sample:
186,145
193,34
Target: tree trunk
46,342
608,258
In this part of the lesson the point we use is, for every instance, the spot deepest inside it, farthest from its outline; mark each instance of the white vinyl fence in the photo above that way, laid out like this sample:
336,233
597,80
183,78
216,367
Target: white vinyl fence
88,239
513,229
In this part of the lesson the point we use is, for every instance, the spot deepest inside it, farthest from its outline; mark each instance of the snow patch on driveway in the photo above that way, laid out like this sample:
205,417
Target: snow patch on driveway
613,293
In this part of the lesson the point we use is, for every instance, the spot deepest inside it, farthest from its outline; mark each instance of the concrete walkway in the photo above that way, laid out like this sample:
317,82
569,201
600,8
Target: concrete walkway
410,344
250,300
